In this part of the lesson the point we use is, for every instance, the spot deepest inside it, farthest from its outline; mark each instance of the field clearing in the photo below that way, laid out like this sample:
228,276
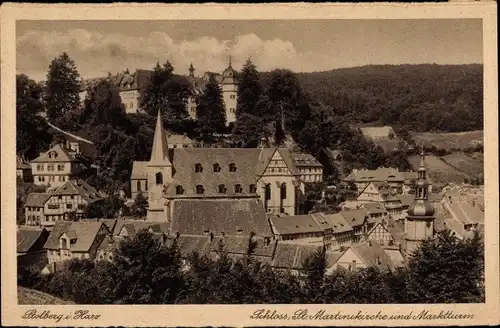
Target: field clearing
27,296
440,172
448,141
465,163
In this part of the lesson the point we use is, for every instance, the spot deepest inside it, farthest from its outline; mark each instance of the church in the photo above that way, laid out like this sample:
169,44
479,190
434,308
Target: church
234,188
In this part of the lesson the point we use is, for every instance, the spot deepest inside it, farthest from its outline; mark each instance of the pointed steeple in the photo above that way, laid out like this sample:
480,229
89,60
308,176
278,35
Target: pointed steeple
229,60
159,153
191,70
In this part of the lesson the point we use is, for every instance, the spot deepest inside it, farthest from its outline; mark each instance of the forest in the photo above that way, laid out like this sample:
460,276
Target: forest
422,98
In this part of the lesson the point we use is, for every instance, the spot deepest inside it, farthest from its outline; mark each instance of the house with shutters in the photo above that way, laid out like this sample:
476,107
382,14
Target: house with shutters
69,200
69,240
34,208
187,183
310,169
56,166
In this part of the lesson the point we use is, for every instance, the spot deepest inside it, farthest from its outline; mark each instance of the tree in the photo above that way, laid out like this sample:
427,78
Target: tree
63,87
249,131
166,92
105,208
149,273
32,136
140,206
250,91
314,268
103,105
447,270
211,111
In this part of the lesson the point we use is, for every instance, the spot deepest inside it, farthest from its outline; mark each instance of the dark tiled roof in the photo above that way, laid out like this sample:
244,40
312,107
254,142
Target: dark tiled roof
189,244
239,245
293,255
354,217
305,160
338,222
381,174
85,233
250,163
27,237
374,208
406,200
295,224
197,217
373,254
78,187
63,155
36,199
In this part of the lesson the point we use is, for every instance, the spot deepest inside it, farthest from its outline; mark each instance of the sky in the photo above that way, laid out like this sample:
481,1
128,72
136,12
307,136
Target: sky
99,47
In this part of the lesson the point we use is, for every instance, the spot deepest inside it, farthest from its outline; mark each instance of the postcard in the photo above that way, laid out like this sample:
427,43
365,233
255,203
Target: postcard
249,165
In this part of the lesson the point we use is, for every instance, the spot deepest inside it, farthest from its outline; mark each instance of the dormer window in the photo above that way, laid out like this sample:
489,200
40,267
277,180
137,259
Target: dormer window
216,167
198,168
232,167
238,189
252,189
179,190
200,190
222,189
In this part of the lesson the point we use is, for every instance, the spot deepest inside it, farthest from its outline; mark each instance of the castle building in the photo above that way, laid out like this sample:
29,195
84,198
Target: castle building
419,223
246,178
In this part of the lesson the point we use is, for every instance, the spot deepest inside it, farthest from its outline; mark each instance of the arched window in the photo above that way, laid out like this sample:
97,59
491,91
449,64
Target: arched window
159,178
198,168
138,185
179,190
199,189
216,167
232,167
268,191
238,189
283,191
222,189
252,189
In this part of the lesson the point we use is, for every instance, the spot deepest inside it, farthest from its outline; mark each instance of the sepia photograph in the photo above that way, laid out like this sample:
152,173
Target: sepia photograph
249,161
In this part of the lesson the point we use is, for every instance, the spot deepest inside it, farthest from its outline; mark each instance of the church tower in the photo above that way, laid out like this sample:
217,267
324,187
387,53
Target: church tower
419,223
159,172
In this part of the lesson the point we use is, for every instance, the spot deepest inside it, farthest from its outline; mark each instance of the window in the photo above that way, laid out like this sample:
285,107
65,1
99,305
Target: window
283,191
232,110
61,178
232,167
199,189
145,186
198,168
222,189
232,96
53,206
252,189
193,109
216,167
159,178
238,189
60,197
179,190
69,206
39,167
138,185
268,191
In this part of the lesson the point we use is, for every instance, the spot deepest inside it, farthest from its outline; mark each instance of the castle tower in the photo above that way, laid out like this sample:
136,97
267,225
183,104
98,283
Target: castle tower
191,70
419,223
159,172
229,85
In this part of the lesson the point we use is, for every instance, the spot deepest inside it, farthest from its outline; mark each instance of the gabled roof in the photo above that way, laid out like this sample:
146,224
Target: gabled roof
61,155
381,174
295,224
229,216
290,255
85,233
338,222
78,187
354,217
179,139
189,244
27,237
374,208
36,199
373,254
134,226
307,160
239,245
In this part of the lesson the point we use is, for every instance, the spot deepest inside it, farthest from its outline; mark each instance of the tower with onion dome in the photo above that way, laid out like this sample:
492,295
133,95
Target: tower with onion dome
419,223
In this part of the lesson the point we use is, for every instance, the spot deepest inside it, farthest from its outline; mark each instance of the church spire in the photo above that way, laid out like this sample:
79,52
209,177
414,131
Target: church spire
191,70
159,154
229,60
